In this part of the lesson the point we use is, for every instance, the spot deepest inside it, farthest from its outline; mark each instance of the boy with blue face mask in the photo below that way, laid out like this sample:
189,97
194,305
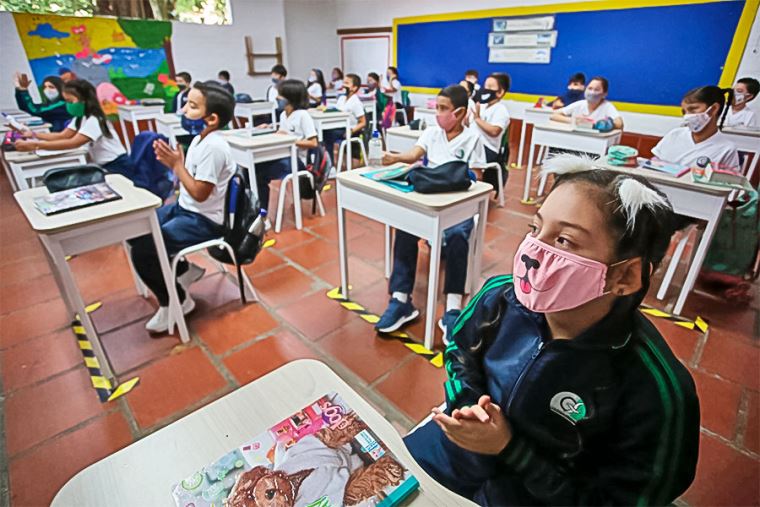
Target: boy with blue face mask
575,88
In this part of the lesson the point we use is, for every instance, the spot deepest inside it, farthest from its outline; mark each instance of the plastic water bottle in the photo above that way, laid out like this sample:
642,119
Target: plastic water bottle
259,225
376,150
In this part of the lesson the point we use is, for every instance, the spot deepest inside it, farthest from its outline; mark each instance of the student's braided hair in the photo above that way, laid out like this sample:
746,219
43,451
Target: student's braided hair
640,218
710,95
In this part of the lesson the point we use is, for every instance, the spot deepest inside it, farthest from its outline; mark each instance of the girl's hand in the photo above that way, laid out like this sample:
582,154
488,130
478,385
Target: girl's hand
473,434
21,81
389,158
26,145
167,156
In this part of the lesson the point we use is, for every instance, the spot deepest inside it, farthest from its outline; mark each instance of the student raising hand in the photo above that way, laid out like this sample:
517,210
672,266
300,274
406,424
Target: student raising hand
481,428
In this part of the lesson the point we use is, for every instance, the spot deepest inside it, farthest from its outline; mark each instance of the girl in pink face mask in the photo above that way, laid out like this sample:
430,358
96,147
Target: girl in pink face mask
559,391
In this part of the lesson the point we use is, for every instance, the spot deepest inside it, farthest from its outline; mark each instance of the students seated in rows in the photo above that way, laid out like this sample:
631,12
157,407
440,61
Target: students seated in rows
197,216
336,83
703,114
52,109
295,120
89,126
575,87
739,115
490,120
559,391
316,89
348,103
193,127
593,107
224,80
473,77
449,141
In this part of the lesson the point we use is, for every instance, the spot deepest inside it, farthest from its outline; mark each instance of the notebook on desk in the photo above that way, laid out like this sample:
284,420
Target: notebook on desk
75,198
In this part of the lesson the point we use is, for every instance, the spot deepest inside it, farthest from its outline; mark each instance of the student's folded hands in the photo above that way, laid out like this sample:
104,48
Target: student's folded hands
21,145
480,428
167,156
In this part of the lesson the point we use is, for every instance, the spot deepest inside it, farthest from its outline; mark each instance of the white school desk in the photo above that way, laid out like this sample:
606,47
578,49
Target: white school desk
251,109
247,150
401,139
564,136
694,200
82,230
333,120
45,127
370,107
425,113
170,125
532,116
423,215
26,167
143,473
748,141
133,114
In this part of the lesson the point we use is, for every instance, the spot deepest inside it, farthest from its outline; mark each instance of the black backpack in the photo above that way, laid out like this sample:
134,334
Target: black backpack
240,210
318,166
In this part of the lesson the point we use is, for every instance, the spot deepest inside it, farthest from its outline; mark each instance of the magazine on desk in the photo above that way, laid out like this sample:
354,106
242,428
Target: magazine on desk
75,198
322,456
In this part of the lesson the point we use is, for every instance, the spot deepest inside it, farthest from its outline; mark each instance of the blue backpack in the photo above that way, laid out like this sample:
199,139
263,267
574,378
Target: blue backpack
149,173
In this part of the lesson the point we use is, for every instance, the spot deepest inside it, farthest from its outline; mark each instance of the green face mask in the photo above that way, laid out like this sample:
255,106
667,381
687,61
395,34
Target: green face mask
75,109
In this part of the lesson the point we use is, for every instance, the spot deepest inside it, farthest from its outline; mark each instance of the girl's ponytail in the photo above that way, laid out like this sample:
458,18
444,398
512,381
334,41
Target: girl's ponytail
729,92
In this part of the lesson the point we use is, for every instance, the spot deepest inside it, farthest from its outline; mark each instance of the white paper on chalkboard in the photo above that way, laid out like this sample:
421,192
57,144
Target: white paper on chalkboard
523,24
522,39
519,55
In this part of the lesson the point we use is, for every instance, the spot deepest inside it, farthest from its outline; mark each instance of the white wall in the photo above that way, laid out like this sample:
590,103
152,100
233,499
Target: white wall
310,26
363,13
202,50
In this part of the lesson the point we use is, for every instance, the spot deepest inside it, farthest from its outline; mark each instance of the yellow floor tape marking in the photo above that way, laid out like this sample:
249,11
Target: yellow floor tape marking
91,362
698,323
100,383
326,187
84,344
269,243
124,388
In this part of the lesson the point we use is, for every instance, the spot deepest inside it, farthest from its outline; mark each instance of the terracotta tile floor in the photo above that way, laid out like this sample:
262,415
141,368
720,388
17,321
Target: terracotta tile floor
47,405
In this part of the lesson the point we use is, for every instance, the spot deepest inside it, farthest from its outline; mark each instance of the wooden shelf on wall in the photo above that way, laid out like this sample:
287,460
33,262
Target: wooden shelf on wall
251,56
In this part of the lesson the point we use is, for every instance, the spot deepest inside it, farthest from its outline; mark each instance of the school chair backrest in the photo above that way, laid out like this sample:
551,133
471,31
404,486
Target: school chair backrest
64,178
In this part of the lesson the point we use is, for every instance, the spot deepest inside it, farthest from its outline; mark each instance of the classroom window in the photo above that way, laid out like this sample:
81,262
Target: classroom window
209,12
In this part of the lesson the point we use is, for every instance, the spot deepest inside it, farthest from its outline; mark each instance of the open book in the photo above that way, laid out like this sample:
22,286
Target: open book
322,456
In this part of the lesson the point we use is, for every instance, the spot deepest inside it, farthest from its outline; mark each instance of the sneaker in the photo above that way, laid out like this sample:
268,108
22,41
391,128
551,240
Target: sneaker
159,323
396,315
193,274
447,322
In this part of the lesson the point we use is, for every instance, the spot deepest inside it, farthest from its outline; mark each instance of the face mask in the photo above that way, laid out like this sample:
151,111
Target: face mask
592,97
697,121
739,98
182,87
75,109
312,79
371,86
448,120
275,80
486,96
551,280
51,94
281,103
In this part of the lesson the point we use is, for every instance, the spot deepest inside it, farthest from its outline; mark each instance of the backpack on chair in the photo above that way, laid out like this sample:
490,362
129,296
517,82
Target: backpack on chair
241,208
318,167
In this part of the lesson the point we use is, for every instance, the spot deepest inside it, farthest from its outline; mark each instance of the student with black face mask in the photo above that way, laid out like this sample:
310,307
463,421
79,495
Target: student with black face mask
490,120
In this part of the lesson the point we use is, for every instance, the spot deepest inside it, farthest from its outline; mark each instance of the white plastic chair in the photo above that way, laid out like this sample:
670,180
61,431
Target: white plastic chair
281,199
344,149
500,179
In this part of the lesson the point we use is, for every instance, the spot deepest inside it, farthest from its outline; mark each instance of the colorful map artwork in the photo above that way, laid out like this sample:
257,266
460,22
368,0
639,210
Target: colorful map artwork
125,59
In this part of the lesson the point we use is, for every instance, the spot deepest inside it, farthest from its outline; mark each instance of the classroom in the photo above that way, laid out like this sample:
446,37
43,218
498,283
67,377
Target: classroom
319,253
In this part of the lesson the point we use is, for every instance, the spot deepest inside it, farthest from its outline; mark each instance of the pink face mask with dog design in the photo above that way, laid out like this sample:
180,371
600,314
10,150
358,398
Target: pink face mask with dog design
550,280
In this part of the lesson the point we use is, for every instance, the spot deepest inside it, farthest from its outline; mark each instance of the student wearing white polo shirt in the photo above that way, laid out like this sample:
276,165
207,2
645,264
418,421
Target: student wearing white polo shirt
197,216
348,103
296,121
739,115
447,142
89,127
490,121
316,88
594,107
704,111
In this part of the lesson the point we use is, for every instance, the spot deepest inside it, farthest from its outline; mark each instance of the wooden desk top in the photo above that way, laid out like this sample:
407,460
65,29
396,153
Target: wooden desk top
566,127
436,202
144,472
405,131
684,181
30,156
132,199
241,138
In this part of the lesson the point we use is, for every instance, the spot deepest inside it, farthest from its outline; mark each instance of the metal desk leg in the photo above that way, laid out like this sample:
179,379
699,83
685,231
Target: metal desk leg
480,241
349,157
435,262
699,258
387,251
342,248
70,288
175,307
296,189
529,173
252,176
522,143
123,126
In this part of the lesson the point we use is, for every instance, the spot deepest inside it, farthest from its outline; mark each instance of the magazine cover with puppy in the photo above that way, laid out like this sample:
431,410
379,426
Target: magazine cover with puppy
321,456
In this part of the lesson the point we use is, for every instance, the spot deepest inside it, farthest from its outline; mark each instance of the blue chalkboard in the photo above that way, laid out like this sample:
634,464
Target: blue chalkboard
650,55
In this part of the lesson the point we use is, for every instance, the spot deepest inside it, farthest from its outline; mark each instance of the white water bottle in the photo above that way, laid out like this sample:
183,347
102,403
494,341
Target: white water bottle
376,150
259,225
